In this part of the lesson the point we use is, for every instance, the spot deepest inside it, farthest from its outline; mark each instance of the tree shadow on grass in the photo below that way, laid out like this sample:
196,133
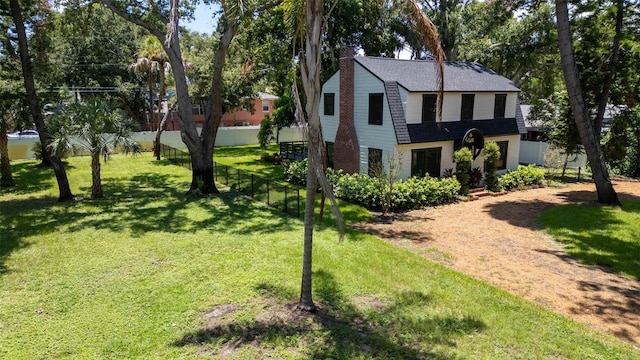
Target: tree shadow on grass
143,203
340,329
31,177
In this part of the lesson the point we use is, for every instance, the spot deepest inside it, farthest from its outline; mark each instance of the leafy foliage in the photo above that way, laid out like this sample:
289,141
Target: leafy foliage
265,134
622,143
413,193
491,155
523,176
463,159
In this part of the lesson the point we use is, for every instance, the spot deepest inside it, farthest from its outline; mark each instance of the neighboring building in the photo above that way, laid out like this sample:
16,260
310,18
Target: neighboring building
377,108
262,106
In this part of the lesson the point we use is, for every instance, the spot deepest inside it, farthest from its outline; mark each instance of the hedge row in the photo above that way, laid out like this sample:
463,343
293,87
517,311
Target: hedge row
364,190
408,194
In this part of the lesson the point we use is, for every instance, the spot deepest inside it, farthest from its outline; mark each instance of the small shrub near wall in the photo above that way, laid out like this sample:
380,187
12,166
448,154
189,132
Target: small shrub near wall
491,156
525,176
463,159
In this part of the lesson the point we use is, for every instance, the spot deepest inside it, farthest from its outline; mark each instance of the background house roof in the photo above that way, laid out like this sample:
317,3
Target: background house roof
420,75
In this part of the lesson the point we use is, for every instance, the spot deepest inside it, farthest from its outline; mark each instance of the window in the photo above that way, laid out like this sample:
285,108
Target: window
329,148
265,106
500,104
329,104
426,161
375,109
375,162
429,107
466,112
501,163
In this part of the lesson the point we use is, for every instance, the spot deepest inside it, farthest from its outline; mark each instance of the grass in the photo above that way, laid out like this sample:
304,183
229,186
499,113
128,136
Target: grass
147,273
599,235
248,158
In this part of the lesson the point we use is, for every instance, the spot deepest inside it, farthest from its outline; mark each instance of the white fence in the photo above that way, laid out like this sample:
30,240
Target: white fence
532,152
227,136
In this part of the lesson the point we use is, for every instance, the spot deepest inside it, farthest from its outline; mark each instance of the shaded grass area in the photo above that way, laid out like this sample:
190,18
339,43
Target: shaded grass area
148,273
599,235
248,158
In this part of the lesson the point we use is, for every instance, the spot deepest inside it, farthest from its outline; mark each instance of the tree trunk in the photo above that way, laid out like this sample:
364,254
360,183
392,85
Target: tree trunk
604,187
6,177
156,142
96,183
310,70
34,104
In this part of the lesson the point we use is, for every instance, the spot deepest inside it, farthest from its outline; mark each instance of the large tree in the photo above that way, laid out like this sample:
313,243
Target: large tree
590,140
161,19
34,101
310,70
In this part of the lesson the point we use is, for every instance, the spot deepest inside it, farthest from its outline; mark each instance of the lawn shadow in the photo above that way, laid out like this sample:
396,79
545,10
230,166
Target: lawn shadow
341,327
30,177
142,203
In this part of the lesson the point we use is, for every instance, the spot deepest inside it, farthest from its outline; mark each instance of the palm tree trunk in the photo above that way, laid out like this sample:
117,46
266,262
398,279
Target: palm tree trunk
96,183
604,187
34,104
6,178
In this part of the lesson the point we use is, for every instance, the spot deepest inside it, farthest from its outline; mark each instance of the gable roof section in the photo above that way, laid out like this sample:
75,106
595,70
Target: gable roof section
455,130
420,75
397,112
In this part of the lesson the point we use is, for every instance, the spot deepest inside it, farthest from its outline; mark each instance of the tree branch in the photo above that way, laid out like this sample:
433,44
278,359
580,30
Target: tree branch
123,14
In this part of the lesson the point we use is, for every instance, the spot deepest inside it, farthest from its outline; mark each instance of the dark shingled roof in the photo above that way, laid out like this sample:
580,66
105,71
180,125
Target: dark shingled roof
455,130
420,75
397,112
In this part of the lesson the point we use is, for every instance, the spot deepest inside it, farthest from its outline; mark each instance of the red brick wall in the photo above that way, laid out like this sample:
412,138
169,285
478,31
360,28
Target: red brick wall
347,150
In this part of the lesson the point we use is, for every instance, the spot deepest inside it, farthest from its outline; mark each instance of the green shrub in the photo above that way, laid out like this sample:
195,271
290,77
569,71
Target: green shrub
295,172
524,176
491,156
361,189
463,159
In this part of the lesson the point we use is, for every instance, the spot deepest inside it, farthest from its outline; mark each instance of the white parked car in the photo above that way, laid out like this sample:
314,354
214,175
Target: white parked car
24,134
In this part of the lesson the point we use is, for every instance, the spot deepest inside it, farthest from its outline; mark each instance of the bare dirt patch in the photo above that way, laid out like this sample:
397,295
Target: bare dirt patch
497,240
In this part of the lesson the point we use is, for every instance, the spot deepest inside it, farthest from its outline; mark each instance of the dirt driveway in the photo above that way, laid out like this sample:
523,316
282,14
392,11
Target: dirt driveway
496,239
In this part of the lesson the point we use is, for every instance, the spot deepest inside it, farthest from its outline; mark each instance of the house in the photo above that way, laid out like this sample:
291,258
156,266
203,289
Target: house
373,109
263,105
243,116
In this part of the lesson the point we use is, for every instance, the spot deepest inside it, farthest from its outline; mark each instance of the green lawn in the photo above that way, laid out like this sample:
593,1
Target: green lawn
599,235
147,273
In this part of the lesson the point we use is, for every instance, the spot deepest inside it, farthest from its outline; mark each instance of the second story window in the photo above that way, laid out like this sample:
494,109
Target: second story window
265,106
375,108
500,104
429,107
329,103
466,112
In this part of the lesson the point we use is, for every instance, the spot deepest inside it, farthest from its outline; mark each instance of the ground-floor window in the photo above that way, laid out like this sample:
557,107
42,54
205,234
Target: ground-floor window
426,161
375,162
329,148
501,163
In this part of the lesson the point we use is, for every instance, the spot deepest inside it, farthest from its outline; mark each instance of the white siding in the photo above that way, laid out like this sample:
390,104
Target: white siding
403,154
371,136
483,106
330,123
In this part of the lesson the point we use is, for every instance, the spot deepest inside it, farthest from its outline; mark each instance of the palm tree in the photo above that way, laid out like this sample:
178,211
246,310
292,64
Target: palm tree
96,127
604,187
310,68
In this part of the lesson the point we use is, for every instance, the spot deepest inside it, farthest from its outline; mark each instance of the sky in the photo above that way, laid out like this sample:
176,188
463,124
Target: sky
204,21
